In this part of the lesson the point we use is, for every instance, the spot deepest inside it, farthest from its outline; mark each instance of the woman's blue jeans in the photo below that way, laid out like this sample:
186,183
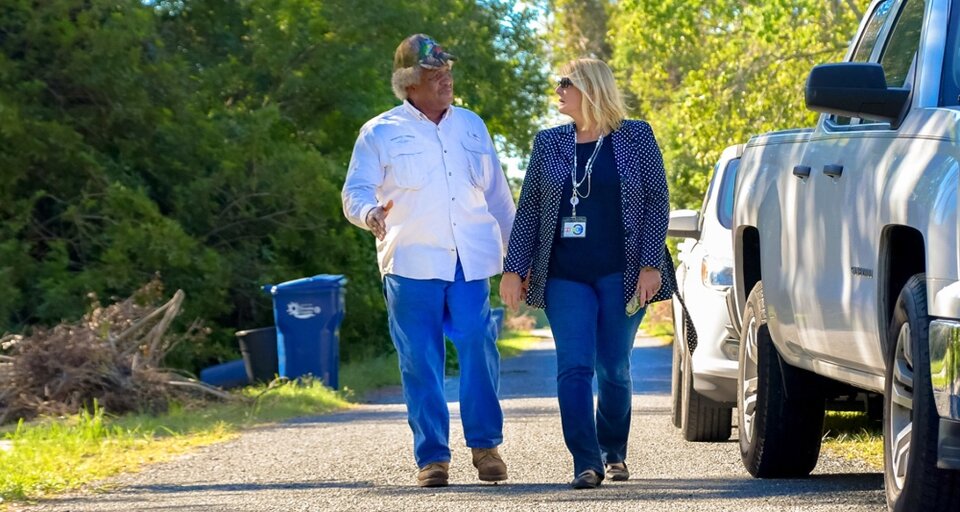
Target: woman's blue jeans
420,312
593,333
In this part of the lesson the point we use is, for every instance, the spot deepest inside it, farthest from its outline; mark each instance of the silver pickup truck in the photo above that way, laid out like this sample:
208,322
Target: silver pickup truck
847,259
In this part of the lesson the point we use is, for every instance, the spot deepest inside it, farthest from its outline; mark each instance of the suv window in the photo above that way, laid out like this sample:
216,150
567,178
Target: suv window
706,197
903,43
725,194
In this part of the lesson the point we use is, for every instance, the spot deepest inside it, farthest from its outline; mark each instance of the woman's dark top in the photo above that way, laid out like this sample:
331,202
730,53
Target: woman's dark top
601,252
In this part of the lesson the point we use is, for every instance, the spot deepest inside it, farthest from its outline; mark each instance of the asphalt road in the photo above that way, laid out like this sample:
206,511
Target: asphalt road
362,460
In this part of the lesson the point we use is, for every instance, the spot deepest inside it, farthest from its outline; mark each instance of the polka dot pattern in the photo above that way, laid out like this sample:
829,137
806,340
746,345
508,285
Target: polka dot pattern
645,199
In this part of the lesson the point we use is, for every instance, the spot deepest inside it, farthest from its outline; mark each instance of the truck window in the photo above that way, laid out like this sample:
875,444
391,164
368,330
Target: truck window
725,194
950,87
870,34
903,43
866,44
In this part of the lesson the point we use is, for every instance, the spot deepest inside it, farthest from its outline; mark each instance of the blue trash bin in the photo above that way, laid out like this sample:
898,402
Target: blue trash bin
308,313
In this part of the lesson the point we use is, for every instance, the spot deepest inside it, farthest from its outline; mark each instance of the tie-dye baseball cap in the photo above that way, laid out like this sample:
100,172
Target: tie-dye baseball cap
423,50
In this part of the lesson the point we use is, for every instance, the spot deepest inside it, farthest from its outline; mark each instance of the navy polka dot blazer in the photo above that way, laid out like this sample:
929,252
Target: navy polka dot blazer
646,207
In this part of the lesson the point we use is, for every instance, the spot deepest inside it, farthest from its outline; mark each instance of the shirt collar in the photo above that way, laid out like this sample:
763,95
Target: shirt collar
415,112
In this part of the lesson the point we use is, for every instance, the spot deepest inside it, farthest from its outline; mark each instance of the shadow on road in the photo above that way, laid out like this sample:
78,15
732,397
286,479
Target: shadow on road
846,488
849,489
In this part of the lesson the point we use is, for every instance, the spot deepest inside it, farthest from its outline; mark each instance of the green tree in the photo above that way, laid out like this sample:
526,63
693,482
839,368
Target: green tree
707,75
207,140
578,28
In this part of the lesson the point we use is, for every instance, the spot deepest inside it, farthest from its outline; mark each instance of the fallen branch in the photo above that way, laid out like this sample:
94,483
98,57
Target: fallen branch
200,386
112,357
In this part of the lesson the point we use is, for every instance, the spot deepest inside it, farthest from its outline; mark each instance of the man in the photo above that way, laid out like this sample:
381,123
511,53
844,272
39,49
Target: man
425,179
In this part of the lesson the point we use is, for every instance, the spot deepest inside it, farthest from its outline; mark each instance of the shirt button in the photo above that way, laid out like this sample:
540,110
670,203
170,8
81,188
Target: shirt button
453,198
449,174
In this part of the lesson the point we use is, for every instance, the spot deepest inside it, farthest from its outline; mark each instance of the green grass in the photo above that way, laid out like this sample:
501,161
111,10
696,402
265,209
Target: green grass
658,321
853,436
56,455
512,344
660,330
356,379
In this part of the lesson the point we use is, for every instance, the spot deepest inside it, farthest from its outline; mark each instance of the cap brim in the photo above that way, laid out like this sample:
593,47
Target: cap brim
437,61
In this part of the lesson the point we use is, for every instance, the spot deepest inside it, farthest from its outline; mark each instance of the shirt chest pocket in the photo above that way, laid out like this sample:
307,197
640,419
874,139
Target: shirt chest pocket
408,166
479,163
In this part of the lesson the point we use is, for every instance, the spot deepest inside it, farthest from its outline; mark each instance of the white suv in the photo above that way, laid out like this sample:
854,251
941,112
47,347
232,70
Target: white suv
704,383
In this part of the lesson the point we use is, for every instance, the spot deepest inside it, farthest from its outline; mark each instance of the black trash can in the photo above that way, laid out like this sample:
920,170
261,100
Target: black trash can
307,313
259,350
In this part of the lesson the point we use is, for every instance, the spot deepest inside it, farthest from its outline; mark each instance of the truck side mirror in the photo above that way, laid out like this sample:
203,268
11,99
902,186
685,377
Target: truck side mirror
684,224
854,89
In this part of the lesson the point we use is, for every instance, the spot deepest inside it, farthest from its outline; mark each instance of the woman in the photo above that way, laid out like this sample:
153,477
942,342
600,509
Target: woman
589,239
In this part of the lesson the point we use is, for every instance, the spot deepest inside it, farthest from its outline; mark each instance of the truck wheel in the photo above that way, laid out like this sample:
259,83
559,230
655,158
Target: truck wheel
780,407
703,420
910,420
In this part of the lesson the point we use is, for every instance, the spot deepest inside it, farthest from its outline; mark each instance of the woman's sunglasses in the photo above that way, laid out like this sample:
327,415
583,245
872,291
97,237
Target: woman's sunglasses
564,82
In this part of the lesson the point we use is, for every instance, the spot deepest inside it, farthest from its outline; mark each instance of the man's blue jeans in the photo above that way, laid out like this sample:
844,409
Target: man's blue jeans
593,332
420,311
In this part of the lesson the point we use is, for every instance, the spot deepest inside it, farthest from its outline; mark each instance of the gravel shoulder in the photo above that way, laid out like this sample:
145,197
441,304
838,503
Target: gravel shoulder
361,459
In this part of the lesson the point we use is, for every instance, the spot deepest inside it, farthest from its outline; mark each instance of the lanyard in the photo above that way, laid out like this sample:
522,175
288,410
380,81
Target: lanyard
588,170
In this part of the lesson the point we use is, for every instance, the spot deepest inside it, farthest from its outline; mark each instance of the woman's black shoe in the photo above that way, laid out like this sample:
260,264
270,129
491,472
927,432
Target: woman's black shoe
588,479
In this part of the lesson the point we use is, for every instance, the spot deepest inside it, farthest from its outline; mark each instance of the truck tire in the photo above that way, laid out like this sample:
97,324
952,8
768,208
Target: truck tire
703,420
910,420
780,407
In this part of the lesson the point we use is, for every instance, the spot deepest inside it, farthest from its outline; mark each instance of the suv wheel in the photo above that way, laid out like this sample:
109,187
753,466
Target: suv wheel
780,407
702,419
910,421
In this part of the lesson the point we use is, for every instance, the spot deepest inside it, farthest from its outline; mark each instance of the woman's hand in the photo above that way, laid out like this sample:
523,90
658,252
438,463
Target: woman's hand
512,290
648,284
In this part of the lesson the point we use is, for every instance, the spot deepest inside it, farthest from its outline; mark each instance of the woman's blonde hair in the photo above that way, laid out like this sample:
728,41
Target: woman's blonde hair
603,105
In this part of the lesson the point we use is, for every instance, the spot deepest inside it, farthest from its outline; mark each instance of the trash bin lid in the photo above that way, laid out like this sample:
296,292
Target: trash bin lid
317,282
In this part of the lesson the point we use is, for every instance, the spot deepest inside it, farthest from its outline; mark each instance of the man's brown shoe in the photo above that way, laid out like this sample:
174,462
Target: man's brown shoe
433,475
618,472
490,467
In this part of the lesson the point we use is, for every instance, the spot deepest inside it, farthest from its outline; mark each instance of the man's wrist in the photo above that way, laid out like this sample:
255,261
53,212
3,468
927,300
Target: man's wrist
366,214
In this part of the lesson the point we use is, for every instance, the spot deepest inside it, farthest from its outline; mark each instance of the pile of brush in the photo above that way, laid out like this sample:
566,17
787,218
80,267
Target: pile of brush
112,357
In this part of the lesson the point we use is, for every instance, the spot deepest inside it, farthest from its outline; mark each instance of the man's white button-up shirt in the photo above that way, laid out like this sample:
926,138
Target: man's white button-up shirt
450,196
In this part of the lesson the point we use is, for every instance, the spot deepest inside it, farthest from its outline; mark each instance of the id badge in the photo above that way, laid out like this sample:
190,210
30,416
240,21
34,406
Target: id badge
574,227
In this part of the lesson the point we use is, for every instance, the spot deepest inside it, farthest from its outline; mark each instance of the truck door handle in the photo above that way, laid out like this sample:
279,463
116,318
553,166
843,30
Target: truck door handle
801,171
833,170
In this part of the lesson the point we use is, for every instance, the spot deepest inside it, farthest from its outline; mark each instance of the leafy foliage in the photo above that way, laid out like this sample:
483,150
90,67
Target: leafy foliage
578,28
707,75
207,140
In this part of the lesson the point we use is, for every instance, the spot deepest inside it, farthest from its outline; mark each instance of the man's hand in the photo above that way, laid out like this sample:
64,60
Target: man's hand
377,220
648,284
512,290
